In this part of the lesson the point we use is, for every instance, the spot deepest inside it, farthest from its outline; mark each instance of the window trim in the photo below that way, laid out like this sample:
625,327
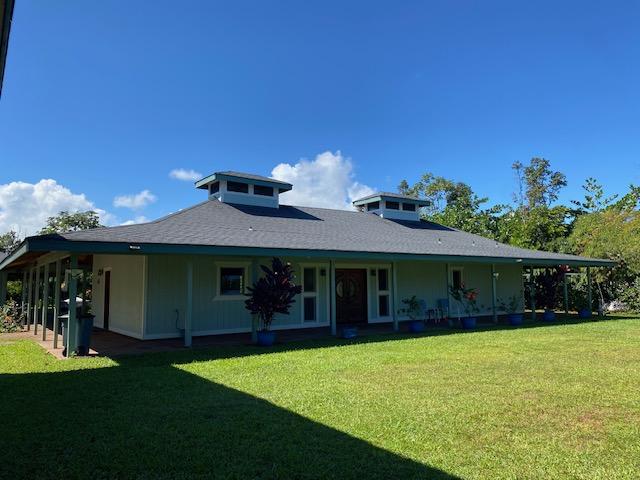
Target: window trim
248,281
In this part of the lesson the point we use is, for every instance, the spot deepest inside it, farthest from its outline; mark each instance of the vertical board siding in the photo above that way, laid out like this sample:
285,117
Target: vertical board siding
127,277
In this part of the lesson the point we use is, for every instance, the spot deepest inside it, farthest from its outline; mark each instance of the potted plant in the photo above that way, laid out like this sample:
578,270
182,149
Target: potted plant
271,294
467,298
413,310
513,307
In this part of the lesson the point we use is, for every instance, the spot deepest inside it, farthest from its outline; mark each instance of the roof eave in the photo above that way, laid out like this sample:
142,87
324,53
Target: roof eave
44,244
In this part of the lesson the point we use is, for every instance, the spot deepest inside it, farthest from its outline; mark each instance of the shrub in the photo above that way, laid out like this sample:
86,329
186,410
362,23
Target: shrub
629,295
273,293
10,317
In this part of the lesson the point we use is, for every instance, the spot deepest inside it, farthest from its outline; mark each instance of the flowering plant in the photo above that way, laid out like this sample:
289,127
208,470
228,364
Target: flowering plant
466,297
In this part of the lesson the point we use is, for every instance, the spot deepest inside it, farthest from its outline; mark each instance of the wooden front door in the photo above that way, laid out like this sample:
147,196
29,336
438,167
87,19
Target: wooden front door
351,295
107,299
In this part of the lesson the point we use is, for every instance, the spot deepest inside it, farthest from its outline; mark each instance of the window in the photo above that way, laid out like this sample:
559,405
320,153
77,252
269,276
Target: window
310,309
309,294
383,305
383,279
231,281
373,206
409,207
264,191
456,278
383,292
237,187
214,188
393,205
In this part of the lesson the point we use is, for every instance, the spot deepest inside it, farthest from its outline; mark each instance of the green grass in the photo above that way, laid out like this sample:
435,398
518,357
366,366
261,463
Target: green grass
559,401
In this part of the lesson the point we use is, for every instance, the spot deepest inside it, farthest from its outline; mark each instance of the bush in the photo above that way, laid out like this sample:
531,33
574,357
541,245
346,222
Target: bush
629,295
10,317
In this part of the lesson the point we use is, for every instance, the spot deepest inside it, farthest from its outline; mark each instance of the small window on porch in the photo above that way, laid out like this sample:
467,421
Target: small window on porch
383,305
309,294
383,292
231,281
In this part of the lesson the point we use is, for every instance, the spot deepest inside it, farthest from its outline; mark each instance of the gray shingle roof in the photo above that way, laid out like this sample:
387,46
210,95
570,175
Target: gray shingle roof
213,223
390,195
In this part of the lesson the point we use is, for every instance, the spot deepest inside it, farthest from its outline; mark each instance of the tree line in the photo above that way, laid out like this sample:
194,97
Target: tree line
599,225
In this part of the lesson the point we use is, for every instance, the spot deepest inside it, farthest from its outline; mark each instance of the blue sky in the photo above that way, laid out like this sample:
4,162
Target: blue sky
106,98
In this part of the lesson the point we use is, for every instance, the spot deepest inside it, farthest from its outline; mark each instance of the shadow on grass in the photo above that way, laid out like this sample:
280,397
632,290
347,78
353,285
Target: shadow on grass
138,420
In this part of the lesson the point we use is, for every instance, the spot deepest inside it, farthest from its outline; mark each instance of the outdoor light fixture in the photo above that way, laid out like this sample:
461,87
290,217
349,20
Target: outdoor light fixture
134,247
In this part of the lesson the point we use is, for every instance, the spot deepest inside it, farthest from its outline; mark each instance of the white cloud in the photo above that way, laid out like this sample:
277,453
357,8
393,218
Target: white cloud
135,202
133,221
25,207
327,181
185,175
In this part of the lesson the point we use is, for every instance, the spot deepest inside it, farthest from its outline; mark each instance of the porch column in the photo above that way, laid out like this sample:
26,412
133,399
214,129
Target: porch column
589,299
189,312
36,300
3,287
493,294
72,328
29,300
255,274
45,301
532,292
56,303
394,303
332,296
565,293
23,296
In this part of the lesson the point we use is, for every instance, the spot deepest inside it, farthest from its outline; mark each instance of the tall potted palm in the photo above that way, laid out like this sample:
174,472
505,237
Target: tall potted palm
271,294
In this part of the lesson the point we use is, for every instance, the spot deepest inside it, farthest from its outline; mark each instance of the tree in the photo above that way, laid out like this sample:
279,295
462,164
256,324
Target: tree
453,204
9,241
594,198
274,293
71,222
539,183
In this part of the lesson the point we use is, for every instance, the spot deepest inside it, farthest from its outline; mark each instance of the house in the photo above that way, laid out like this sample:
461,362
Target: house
186,274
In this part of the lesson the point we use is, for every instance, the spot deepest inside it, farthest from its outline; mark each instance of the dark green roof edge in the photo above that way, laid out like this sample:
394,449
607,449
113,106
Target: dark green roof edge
46,244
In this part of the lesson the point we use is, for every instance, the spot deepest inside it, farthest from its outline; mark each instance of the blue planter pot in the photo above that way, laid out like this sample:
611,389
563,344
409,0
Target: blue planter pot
584,313
416,326
515,319
349,332
266,338
549,316
469,323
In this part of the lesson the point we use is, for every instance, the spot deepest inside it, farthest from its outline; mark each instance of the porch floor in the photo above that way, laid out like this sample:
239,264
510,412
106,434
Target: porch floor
111,344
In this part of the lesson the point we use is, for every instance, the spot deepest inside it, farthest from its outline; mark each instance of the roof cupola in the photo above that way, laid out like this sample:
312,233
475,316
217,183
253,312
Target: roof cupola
392,205
244,188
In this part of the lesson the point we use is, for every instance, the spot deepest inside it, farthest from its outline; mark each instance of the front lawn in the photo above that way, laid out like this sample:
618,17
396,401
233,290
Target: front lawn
557,401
